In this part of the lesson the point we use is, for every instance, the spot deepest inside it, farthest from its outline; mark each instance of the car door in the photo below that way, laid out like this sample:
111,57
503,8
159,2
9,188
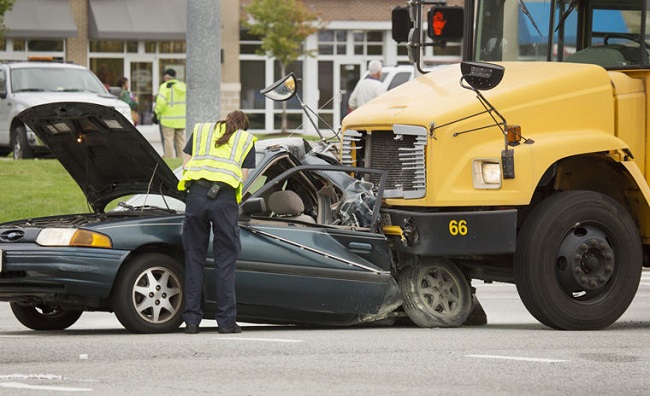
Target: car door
298,271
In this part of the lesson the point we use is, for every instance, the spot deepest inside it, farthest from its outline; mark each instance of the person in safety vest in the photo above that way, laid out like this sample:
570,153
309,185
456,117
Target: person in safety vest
215,165
170,110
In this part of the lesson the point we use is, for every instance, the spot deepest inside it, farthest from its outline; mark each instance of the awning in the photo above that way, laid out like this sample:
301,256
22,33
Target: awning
40,19
137,19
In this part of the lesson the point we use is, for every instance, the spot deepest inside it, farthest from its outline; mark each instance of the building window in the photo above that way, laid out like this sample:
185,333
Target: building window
177,64
132,46
451,49
171,47
248,43
45,45
369,43
107,46
107,69
150,47
332,42
252,81
19,45
3,44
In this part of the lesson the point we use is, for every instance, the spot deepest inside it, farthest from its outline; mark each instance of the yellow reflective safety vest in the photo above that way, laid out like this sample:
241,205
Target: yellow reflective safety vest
170,104
223,163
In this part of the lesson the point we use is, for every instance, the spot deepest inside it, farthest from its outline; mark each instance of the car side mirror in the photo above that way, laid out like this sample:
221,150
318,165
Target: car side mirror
283,89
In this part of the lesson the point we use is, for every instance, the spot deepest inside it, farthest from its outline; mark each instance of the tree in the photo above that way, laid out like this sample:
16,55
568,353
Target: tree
283,26
5,5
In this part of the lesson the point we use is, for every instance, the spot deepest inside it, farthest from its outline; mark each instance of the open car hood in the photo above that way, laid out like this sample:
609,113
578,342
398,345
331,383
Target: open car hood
102,151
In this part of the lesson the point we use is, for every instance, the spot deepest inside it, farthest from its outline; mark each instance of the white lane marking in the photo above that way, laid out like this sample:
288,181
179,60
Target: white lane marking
18,385
15,336
519,358
258,339
53,377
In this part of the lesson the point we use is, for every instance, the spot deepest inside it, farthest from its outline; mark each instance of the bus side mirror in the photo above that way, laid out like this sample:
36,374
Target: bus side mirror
481,76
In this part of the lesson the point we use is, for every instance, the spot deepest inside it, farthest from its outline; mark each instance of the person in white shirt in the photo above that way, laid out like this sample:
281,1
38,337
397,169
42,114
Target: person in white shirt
369,87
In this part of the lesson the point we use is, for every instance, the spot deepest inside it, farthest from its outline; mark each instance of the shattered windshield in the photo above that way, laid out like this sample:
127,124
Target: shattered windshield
519,30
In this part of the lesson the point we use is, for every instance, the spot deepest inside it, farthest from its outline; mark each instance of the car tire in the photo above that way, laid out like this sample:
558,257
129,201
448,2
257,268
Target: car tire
43,317
436,293
148,294
578,261
21,148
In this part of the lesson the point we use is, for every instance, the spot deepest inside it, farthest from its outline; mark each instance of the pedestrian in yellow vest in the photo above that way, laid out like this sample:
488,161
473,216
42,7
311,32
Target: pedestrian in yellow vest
170,110
215,165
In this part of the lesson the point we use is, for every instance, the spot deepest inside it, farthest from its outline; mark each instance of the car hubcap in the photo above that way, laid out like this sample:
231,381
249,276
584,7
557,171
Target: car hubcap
157,295
440,292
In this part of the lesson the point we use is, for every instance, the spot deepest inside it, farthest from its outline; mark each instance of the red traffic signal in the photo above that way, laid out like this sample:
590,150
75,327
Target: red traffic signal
445,23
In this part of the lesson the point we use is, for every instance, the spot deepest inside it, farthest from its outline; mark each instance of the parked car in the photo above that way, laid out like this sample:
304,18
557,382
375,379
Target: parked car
30,83
393,76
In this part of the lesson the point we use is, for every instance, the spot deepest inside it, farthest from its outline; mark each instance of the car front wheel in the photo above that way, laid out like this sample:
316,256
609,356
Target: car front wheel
44,317
21,147
148,294
436,293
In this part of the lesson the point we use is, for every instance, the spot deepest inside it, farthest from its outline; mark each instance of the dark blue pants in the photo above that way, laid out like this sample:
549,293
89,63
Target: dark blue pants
220,215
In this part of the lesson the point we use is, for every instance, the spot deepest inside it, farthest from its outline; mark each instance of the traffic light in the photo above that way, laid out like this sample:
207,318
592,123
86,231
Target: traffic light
445,23
401,24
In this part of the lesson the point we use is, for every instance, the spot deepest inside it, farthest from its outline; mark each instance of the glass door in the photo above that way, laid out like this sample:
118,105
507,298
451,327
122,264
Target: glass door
141,85
348,75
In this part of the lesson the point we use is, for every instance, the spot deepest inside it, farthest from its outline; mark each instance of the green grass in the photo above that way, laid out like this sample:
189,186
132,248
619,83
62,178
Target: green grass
34,188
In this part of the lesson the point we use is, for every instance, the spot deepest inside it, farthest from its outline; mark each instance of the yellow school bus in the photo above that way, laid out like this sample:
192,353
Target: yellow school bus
525,163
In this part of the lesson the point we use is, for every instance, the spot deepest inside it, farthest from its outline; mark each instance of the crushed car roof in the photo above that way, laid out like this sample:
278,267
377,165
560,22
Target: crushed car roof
102,151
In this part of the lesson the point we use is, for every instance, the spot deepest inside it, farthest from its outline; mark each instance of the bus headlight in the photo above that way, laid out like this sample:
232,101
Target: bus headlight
486,173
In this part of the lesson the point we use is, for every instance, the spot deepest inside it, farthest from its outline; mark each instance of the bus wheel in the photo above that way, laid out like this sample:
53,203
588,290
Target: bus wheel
578,261
436,293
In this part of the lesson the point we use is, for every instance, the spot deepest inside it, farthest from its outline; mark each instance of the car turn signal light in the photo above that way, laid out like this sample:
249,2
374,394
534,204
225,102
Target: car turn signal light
73,237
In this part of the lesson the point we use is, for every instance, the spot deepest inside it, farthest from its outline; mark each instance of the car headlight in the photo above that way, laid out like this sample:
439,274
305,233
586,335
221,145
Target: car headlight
73,237
486,173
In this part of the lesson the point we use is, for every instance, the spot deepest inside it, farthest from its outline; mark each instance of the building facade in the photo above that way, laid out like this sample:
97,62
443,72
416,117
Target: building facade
141,38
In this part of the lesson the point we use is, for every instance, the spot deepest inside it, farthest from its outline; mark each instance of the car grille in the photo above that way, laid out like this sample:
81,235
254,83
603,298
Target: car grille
401,155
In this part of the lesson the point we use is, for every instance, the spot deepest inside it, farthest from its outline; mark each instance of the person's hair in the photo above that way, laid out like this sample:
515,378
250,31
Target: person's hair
234,120
374,67
120,81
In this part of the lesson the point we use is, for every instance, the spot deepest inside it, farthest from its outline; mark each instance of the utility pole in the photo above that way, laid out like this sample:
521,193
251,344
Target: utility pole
203,76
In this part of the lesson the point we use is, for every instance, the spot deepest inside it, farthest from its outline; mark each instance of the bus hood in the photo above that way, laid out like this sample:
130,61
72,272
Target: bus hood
537,96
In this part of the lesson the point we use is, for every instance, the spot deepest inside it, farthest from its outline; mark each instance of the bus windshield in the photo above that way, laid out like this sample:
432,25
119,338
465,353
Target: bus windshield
610,33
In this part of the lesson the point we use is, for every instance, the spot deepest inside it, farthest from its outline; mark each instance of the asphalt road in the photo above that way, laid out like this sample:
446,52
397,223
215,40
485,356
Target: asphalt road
512,355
